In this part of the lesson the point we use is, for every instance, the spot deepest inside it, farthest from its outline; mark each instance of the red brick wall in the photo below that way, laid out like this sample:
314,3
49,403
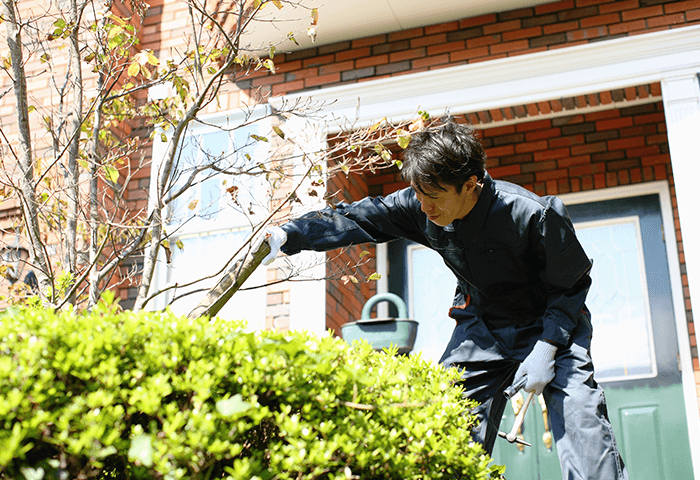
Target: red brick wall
348,269
487,37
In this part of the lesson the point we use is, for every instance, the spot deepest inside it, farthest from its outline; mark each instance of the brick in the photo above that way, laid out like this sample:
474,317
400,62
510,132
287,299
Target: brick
322,80
602,136
301,74
500,151
431,61
509,139
599,181
281,89
428,40
317,61
655,160
501,27
465,34
573,161
625,143
498,131
587,34
626,27
531,146
352,54
372,61
477,21
336,67
624,164
446,48
468,54
483,41
647,12
547,40
551,175
369,41
552,154
406,55
543,133
645,151
442,28
562,142
539,21
681,6
560,27
390,68
618,6
506,47
585,3
615,123
522,33
674,19
391,47
554,7
578,129
517,159
589,148
650,118
538,166
406,34
607,19
566,15
511,14
499,172
692,16
586,169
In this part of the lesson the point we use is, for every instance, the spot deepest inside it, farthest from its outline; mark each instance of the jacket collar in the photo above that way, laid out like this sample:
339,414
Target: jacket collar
469,227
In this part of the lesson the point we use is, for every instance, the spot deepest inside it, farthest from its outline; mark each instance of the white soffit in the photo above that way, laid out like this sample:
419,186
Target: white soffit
530,78
344,20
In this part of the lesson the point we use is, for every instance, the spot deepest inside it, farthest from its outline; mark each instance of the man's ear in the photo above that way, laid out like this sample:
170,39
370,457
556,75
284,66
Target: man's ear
470,184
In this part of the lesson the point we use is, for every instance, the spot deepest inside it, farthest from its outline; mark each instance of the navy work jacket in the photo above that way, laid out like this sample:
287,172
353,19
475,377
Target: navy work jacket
515,255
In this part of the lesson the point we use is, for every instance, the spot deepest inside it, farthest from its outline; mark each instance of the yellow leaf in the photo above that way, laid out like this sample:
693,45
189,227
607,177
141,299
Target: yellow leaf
193,204
278,131
111,173
314,16
134,69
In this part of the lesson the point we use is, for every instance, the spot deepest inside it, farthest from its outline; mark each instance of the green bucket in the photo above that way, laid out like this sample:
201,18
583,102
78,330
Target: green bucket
382,333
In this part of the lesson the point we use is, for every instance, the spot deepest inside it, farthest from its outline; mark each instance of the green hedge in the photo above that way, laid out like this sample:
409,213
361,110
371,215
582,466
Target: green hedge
111,394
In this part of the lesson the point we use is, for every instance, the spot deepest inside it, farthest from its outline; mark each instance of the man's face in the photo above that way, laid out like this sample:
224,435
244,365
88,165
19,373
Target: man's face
444,206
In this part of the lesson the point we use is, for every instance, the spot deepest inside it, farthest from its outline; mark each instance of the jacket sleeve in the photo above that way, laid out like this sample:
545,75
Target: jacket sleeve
370,220
565,272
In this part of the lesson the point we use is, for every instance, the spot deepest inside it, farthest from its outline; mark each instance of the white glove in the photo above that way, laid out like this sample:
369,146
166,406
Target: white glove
538,366
276,237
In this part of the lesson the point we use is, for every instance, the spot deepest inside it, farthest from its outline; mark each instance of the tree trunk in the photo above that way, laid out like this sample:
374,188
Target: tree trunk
73,173
38,257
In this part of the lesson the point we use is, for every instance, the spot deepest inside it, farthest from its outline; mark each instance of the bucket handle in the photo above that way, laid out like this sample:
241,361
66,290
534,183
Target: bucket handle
381,297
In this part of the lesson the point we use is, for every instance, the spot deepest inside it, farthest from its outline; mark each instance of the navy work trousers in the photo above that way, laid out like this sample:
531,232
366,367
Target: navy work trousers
489,358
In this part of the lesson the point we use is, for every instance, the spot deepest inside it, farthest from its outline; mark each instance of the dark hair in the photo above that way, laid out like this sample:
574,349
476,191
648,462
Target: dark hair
445,153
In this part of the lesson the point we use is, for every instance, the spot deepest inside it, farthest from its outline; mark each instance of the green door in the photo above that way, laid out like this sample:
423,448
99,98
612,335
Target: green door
634,348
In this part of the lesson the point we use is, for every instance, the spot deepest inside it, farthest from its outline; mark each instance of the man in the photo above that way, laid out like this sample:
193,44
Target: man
522,280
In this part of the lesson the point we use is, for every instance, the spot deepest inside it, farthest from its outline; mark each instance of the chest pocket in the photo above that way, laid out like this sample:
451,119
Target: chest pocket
497,268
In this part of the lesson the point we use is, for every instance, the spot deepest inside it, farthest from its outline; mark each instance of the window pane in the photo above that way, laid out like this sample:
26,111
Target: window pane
205,255
432,291
618,300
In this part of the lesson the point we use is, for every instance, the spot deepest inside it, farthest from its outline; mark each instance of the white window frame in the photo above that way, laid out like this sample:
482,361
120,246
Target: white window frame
251,302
